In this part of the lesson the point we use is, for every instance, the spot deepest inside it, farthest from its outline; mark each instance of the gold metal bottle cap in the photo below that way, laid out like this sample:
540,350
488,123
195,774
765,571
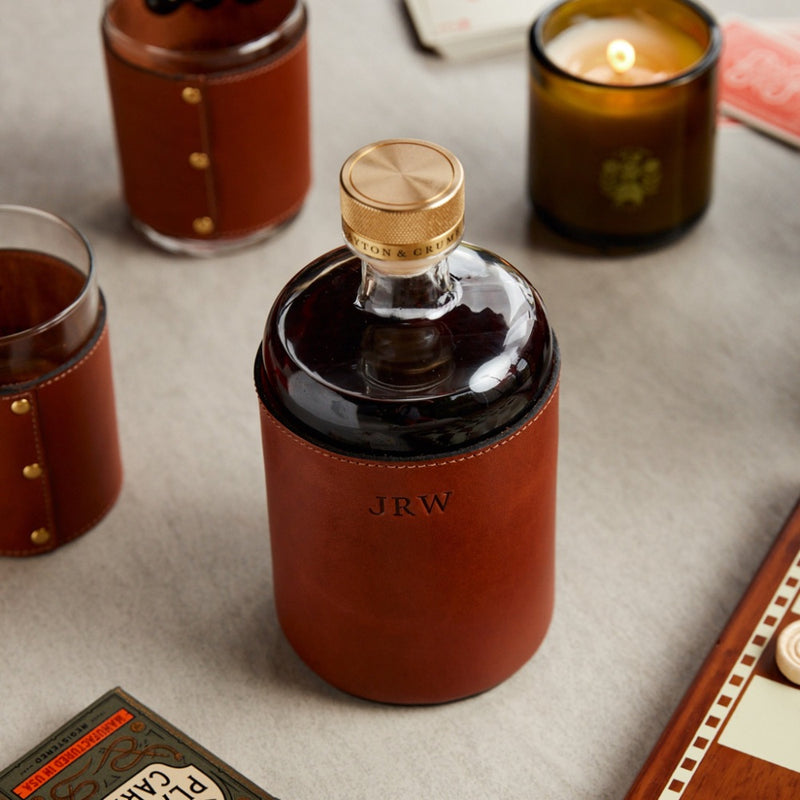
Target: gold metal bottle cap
402,200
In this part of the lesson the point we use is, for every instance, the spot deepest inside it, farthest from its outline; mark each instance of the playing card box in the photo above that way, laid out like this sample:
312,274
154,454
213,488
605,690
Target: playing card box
759,77
117,749
463,29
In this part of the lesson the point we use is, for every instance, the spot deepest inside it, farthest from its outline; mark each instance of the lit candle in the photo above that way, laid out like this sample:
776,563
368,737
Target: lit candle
622,118
621,56
624,50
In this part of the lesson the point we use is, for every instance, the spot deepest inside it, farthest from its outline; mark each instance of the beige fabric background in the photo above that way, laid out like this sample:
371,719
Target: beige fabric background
680,451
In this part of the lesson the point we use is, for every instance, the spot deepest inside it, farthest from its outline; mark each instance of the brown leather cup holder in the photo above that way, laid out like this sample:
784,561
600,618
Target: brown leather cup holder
206,153
421,580
60,465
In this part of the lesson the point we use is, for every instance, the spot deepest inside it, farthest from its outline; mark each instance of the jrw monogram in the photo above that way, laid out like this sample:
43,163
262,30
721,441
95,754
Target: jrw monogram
400,506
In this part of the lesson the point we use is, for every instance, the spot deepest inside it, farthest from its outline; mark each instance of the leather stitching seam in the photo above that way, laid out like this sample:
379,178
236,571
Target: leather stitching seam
409,465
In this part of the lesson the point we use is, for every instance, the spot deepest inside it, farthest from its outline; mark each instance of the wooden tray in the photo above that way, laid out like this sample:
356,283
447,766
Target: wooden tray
736,733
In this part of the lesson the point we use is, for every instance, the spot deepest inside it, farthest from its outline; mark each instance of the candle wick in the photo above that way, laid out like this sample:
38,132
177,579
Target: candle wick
621,55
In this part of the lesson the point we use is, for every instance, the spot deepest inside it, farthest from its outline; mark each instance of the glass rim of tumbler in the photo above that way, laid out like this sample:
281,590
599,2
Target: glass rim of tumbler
68,244
538,45
217,59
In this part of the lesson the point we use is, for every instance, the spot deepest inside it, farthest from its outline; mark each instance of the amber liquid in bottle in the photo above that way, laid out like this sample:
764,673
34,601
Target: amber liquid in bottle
453,357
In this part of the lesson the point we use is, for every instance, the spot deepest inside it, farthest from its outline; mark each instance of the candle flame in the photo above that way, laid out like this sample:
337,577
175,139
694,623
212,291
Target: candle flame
621,55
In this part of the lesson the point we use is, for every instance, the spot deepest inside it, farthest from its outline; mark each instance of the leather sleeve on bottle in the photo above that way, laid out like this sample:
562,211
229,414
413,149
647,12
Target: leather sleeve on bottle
230,147
415,581
60,466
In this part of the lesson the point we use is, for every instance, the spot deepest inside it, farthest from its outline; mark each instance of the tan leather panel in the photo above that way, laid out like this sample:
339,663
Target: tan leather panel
252,124
69,431
414,581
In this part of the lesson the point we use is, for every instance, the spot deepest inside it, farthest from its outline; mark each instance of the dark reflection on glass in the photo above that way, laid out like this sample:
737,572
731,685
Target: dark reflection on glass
412,355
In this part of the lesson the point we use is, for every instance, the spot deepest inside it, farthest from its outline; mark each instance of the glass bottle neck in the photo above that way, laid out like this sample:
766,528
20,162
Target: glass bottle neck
397,290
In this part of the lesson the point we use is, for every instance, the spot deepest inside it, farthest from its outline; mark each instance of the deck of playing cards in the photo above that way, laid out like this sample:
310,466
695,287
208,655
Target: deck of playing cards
759,76
119,750
463,29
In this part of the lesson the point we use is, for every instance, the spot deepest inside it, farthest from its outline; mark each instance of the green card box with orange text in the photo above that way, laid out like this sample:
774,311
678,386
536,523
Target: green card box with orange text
117,749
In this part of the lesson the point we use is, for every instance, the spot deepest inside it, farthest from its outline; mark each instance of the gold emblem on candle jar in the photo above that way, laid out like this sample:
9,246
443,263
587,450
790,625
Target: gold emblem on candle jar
630,175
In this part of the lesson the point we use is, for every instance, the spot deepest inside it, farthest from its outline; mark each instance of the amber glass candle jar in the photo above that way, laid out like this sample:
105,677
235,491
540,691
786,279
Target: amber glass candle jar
211,112
622,118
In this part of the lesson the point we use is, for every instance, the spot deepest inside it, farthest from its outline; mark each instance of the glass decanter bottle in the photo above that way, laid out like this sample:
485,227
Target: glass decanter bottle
408,387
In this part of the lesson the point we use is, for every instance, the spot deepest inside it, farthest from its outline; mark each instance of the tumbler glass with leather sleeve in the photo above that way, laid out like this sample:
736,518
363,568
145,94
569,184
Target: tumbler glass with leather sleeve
408,389
211,111
60,467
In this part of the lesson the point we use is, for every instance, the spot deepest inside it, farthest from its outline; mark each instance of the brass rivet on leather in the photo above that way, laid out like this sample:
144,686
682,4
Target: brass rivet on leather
203,226
199,160
191,95
40,536
21,406
32,471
